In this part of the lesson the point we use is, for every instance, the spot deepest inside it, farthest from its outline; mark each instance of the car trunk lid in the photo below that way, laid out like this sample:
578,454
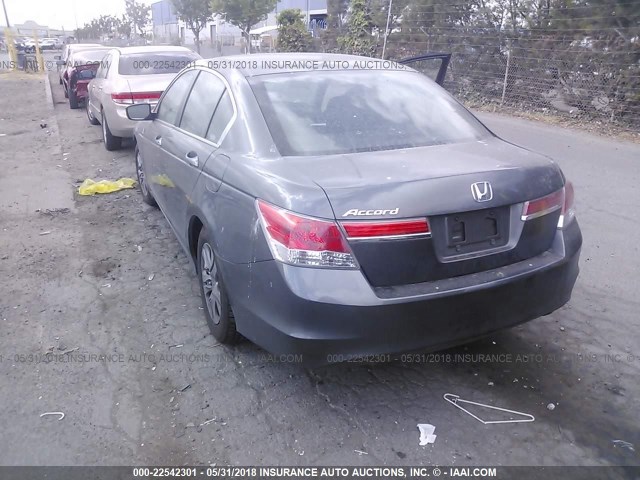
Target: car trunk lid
466,235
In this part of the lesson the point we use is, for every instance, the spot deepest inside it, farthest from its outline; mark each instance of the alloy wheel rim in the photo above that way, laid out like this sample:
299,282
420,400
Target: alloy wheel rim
141,179
210,284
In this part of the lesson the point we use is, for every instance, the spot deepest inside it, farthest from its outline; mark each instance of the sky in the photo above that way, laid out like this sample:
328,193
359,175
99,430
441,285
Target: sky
62,13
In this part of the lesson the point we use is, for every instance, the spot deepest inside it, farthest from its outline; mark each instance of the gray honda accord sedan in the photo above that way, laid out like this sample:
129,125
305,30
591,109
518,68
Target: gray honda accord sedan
339,207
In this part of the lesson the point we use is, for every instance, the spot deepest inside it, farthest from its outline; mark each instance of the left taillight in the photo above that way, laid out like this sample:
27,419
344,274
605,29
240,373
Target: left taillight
304,241
560,200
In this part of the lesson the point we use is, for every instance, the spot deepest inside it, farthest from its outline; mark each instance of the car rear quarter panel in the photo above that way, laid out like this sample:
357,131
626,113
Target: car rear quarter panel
228,207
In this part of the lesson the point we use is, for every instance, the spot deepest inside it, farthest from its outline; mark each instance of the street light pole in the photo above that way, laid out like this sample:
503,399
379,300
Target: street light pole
6,17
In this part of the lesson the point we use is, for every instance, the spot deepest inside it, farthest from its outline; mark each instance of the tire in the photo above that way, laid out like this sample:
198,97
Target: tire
60,80
147,197
73,100
216,306
92,119
111,142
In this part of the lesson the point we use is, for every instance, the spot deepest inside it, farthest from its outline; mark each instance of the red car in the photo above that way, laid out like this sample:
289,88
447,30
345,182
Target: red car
79,70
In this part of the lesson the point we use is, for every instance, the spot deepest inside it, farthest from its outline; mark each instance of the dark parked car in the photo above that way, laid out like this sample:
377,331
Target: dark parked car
337,206
80,69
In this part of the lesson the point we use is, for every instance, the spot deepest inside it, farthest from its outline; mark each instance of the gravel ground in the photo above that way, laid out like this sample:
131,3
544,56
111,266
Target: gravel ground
102,284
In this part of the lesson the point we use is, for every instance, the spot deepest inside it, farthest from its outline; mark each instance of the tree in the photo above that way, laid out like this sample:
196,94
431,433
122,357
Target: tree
336,15
196,14
125,27
293,35
244,13
358,39
138,16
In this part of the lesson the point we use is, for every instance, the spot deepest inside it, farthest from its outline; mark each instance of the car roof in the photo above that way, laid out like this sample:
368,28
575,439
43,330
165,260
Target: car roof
82,45
151,49
270,63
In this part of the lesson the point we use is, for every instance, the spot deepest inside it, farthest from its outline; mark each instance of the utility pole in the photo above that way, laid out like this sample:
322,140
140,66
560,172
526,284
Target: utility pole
386,31
11,47
6,17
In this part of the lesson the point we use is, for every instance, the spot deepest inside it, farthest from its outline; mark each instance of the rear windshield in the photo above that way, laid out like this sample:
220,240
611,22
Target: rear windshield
322,112
88,56
155,63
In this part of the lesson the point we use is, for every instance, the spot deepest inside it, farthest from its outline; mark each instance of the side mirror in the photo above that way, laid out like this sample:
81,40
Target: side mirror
140,112
60,63
57,57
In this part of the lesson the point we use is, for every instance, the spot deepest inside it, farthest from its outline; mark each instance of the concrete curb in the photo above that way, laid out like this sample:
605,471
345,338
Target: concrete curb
54,131
49,93
52,121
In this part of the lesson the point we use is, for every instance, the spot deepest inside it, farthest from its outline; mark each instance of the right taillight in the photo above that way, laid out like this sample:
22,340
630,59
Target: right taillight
304,241
129,98
560,200
568,207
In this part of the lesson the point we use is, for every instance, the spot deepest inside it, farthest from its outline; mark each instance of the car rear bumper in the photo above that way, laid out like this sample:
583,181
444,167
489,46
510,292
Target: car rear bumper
119,123
331,315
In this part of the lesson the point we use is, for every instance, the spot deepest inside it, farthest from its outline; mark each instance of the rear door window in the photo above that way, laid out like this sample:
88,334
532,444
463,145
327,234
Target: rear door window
202,102
170,107
221,118
104,67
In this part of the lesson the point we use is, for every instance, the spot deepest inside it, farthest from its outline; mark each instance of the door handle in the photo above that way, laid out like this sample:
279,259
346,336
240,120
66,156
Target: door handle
192,158
158,139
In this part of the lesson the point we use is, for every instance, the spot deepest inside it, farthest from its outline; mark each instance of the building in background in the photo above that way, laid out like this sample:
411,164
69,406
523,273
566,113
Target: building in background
165,22
167,28
31,28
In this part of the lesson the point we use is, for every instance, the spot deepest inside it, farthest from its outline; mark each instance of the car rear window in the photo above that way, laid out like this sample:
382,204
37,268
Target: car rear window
348,111
88,56
155,63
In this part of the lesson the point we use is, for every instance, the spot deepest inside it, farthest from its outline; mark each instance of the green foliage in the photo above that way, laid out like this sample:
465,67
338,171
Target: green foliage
244,13
195,14
358,39
293,35
137,15
104,26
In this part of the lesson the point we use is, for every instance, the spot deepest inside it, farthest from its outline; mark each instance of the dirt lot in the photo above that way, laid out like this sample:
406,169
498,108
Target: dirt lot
101,280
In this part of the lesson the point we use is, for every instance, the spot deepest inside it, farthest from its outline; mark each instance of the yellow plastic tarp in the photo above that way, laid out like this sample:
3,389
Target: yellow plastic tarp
90,187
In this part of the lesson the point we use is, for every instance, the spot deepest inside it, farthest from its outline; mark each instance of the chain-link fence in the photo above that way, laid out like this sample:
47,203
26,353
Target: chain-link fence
573,58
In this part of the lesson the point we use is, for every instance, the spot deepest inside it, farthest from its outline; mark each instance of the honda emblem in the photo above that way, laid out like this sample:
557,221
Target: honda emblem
481,191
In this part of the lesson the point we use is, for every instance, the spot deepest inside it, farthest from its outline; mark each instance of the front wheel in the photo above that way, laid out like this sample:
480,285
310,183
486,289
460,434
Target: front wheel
147,197
214,296
92,118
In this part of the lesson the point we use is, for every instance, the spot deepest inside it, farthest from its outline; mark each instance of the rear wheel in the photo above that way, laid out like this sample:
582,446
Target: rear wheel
73,100
214,296
147,197
111,142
